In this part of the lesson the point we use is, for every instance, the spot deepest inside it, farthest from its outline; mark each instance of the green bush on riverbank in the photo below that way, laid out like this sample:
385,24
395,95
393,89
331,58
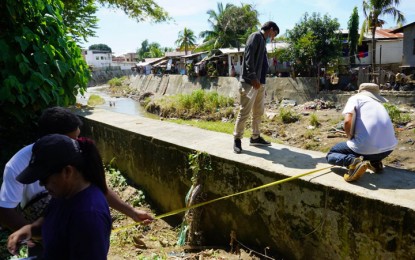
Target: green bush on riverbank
199,104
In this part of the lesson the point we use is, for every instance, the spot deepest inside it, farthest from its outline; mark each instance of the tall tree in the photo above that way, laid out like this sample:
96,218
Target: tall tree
186,39
353,26
144,49
230,26
154,51
314,41
373,10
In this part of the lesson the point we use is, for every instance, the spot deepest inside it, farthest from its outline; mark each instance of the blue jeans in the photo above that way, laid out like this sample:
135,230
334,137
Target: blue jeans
342,155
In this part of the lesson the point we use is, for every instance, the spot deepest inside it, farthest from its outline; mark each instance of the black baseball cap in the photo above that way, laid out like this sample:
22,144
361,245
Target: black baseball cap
49,155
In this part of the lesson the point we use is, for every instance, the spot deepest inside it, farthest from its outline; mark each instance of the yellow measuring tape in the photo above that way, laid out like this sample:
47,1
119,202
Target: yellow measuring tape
177,211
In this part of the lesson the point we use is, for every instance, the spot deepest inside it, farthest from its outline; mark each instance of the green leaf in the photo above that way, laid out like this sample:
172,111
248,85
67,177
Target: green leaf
45,96
24,68
40,57
23,42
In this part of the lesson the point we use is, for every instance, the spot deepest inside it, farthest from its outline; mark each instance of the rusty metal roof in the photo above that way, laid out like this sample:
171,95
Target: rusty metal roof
384,34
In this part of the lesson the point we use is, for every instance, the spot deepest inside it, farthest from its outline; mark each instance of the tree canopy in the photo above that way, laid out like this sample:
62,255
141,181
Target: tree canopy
81,21
100,47
230,26
314,42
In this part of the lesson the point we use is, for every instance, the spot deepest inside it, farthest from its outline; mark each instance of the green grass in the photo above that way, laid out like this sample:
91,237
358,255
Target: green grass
314,120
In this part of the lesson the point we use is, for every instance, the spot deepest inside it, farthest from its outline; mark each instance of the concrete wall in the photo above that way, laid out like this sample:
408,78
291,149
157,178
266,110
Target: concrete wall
315,217
408,50
299,89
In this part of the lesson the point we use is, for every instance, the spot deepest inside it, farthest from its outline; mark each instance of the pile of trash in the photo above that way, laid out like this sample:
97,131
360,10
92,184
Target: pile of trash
318,104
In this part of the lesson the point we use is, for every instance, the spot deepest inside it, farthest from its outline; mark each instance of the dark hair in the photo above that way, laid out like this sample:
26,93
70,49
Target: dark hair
58,120
270,24
92,167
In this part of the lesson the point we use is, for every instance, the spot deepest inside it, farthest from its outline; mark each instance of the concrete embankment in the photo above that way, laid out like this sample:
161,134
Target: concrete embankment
318,216
299,89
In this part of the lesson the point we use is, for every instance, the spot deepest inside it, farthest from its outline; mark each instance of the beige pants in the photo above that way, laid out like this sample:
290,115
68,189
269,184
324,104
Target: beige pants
256,104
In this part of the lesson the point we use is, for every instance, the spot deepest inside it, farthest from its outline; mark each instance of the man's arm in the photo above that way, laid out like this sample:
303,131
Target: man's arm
348,125
116,203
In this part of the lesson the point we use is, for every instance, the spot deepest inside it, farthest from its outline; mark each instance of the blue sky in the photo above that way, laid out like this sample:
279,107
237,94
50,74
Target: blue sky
125,35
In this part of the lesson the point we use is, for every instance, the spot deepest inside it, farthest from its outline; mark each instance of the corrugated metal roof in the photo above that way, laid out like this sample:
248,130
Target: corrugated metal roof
386,34
194,54
232,50
175,54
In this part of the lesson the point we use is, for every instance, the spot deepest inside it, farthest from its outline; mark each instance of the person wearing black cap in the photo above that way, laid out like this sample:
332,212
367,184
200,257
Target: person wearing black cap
21,204
252,94
370,132
77,221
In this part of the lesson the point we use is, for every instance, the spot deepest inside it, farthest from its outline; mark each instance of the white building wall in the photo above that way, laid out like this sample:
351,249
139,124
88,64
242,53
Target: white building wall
98,59
391,52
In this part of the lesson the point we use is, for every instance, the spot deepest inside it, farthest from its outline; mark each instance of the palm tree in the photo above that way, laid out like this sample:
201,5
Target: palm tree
230,26
372,10
186,39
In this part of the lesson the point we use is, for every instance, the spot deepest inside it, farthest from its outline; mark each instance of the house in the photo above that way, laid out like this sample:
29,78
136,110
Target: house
174,64
389,46
194,58
277,67
408,57
145,67
98,59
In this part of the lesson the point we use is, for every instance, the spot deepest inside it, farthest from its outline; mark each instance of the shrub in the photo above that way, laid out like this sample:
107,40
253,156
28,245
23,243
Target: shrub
314,120
115,82
197,103
287,116
396,116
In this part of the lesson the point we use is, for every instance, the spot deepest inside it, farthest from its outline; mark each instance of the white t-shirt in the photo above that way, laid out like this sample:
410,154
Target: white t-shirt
13,192
374,131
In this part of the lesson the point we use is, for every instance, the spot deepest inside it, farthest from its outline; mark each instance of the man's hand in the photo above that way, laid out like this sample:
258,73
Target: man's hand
19,237
256,84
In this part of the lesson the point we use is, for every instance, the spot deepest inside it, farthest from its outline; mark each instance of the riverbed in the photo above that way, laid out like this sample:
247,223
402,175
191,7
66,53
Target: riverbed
123,105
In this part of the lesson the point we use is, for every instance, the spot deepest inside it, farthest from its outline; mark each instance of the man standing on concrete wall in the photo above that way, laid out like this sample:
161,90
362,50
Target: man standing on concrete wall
370,132
252,91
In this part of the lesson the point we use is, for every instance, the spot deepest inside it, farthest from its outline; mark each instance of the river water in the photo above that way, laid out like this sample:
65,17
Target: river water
116,104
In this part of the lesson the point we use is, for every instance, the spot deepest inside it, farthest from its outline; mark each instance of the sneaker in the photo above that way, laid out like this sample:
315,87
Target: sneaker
376,167
356,169
237,146
258,142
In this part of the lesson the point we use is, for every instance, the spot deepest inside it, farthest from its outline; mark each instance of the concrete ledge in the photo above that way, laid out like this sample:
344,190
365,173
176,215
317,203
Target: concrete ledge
318,216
